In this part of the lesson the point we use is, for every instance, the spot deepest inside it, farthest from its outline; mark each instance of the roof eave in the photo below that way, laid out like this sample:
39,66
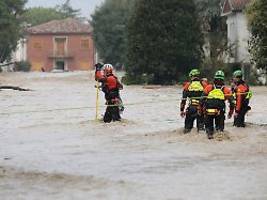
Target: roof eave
226,14
231,8
59,33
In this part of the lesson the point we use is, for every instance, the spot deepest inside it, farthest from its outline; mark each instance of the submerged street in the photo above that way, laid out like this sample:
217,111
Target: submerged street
51,146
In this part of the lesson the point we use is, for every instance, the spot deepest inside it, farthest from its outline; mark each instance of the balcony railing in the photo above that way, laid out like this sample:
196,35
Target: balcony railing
66,55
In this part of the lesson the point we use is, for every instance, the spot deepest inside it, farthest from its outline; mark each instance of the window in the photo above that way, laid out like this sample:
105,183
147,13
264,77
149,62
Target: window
37,45
85,43
60,46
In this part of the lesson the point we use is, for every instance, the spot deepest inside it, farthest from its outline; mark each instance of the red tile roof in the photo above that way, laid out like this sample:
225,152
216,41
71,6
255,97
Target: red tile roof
65,26
239,4
234,5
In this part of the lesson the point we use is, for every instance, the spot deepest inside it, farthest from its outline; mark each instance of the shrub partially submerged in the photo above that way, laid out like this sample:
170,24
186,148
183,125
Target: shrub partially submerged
22,66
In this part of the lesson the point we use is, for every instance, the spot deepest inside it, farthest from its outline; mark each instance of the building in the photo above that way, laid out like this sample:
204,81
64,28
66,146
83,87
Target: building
60,44
21,52
237,31
18,55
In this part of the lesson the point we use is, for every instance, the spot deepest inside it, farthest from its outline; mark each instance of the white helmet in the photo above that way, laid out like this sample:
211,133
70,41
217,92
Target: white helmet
108,69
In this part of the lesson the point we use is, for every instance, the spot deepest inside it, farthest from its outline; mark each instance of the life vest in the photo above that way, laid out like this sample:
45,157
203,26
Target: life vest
216,93
213,111
111,83
243,90
195,86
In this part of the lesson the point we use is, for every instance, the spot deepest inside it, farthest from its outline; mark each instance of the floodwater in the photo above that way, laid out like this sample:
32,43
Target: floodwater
51,146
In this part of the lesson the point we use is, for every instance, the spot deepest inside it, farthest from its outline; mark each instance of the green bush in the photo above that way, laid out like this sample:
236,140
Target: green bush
135,80
22,66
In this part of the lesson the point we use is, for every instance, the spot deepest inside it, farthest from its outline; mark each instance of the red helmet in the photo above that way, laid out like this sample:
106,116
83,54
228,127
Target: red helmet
108,69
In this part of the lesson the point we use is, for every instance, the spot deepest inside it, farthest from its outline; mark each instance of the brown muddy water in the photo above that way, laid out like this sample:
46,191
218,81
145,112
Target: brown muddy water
52,148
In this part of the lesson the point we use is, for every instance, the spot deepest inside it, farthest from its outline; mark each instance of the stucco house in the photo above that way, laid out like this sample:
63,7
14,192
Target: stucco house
17,56
60,44
237,31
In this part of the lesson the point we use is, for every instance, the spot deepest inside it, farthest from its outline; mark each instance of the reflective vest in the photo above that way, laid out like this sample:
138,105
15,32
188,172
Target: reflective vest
195,86
249,95
216,94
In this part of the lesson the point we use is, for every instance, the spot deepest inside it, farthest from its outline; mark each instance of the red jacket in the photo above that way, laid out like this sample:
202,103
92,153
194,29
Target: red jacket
240,91
112,83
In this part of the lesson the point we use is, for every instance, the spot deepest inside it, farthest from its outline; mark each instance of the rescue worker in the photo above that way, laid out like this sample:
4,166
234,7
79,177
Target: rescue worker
192,90
213,104
242,95
111,87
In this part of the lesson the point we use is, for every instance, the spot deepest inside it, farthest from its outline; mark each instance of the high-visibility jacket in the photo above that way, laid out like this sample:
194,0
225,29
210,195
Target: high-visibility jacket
219,93
242,93
192,90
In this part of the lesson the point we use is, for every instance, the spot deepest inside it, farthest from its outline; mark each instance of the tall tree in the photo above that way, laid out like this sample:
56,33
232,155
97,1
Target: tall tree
109,22
67,10
10,26
164,40
257,16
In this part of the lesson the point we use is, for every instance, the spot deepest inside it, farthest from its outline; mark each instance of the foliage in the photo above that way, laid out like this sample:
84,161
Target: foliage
257,17
23,66
215,31
38,15
164,40
10,23
67,10
109,29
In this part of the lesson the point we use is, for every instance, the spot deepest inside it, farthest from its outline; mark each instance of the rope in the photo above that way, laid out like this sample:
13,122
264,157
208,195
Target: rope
226,95
84,107
104,106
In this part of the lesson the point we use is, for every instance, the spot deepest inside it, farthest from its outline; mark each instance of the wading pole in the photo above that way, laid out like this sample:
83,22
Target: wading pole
97,101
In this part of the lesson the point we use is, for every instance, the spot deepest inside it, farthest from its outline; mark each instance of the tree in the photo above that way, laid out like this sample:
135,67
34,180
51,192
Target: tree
67,10
257,17
10,26
164,41
109,29
215,32
39,15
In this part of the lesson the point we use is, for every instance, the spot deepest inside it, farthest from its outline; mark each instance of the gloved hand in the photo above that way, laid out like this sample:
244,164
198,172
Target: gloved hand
98,66
182,114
